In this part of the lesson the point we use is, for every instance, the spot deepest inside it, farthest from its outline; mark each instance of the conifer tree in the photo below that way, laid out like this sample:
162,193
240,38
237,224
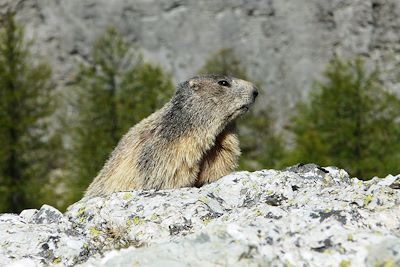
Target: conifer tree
261,146
350,121
25,105
113,92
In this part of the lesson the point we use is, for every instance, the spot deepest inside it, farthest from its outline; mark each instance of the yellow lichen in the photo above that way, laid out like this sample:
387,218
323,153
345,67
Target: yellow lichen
350,237
327,179
258,213
204,199
81,211
94,232
389,263
129,222
368,199
136,220
127,196
270,192
154,217
344,263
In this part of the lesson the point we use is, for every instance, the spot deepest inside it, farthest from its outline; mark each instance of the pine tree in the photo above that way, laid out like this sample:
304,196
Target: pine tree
261,146
350,122
113,92
25,105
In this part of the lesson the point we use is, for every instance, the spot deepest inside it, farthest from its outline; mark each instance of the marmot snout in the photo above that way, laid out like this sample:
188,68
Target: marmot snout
189,142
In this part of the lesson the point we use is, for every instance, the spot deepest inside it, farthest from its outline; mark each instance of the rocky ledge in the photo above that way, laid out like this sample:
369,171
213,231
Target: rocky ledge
303,216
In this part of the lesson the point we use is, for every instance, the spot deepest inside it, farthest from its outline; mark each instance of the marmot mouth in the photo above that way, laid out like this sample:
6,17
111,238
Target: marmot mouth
244,108
239,111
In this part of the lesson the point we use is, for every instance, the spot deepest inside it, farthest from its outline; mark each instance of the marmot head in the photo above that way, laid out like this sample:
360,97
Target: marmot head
223,97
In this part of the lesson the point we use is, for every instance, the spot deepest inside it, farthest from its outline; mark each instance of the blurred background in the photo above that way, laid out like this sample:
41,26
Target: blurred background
76,75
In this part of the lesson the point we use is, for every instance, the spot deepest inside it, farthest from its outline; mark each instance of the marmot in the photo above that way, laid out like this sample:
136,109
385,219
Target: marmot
189,142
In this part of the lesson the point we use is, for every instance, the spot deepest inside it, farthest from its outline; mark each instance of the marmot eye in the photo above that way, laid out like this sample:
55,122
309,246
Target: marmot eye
223,83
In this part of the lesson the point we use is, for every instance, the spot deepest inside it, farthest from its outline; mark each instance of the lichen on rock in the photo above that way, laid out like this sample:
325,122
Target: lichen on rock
304,215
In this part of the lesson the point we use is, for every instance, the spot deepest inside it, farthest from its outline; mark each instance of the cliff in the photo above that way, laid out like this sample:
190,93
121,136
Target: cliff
284,44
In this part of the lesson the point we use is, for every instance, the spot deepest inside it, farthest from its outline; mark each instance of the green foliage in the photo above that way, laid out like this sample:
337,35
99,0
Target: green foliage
261,146
25,105
350,122
112,93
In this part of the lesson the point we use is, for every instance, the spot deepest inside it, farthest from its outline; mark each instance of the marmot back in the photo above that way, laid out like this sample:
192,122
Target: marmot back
189,142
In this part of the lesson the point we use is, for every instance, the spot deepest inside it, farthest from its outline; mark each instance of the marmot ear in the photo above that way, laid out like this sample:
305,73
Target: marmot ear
194,85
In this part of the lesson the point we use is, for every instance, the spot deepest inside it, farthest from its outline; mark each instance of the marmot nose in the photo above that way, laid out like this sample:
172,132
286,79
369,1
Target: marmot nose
255,93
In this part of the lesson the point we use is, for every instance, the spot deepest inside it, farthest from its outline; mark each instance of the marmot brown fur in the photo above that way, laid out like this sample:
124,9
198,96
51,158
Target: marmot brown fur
189,142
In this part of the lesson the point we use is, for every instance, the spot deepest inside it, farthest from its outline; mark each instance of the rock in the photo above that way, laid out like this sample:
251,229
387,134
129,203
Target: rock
46,215
304,215
283,44
27,215
392,181
23,263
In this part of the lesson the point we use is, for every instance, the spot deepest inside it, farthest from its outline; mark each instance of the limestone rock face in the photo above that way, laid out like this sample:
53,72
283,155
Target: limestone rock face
303,216
284,44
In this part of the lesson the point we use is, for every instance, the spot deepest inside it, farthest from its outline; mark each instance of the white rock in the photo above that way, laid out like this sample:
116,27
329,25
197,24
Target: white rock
23,263
388,180
294,217
28,214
